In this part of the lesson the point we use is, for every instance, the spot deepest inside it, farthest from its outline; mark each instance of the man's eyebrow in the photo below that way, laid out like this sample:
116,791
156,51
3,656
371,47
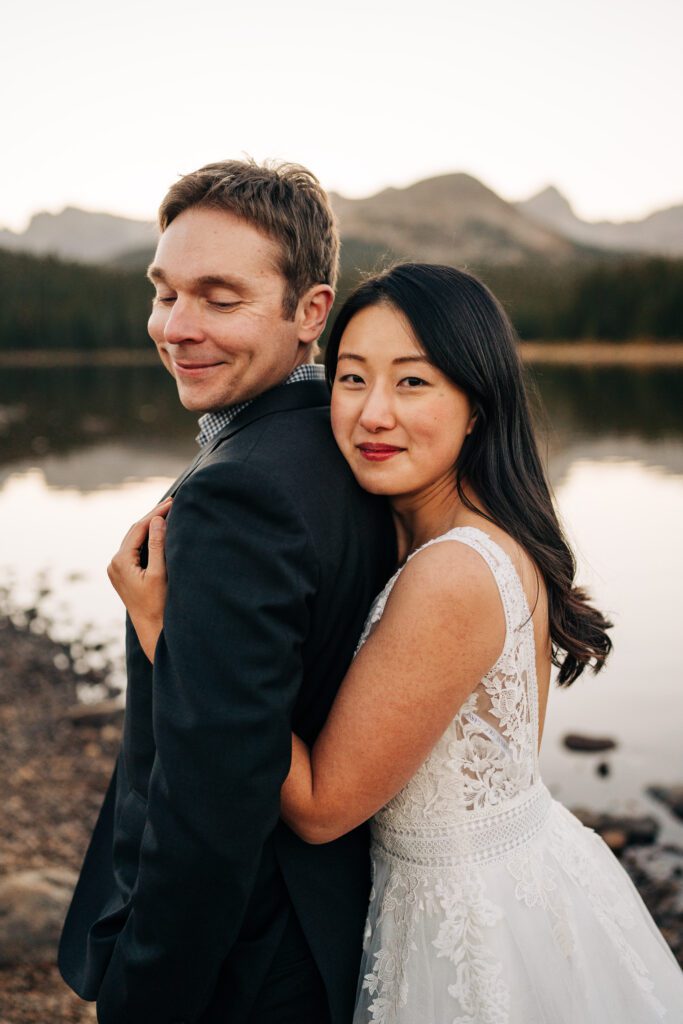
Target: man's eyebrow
397,361
155,273
218,281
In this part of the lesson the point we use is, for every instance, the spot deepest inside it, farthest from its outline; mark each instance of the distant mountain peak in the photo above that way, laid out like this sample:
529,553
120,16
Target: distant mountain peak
83,235
661,233
453,183
451,218
551,192
549,205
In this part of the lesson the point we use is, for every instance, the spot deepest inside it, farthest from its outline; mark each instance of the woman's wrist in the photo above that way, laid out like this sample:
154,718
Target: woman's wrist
148,630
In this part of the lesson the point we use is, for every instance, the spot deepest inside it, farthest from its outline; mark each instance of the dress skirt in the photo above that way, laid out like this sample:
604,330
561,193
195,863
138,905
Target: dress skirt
540,926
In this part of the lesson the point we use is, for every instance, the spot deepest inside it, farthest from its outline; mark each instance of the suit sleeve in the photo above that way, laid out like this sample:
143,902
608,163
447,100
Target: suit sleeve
228,667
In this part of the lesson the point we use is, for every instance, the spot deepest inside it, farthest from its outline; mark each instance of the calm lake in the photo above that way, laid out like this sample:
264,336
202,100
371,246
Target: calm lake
86,451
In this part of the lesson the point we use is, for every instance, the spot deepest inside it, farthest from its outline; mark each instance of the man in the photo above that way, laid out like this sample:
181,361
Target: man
195,902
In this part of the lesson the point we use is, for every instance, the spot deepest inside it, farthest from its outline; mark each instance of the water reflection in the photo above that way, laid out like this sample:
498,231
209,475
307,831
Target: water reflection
589,402
57,411
85,452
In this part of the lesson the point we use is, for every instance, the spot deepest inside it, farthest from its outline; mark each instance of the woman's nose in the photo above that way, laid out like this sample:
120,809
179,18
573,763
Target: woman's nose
183,324
377,412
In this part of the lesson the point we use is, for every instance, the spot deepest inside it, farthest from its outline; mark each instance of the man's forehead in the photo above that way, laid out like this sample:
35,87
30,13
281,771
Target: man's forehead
206,231
211,248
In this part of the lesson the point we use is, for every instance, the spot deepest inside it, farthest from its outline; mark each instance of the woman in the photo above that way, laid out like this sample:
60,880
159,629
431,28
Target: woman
491,903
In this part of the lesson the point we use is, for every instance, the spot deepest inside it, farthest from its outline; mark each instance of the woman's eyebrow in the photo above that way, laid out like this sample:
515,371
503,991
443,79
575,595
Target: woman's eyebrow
410,359
399,359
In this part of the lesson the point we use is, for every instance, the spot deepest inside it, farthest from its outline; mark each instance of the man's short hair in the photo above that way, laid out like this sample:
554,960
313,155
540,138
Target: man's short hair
283,200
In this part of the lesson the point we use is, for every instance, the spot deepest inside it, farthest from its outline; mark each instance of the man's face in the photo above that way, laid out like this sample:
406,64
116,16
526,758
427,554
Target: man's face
217,318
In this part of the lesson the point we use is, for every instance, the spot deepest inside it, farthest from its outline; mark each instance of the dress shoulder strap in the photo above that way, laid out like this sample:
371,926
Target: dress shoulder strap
513,597
509,585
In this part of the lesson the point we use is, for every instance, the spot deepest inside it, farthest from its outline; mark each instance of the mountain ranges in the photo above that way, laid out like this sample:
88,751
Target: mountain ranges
452,218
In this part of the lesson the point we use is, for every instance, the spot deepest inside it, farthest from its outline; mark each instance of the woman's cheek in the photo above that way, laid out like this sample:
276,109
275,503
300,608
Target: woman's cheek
434,444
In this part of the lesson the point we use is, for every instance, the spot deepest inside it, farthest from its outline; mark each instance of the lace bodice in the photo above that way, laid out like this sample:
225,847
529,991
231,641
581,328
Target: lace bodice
488,755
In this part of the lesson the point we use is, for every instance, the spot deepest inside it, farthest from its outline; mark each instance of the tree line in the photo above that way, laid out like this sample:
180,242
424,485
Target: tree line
46,303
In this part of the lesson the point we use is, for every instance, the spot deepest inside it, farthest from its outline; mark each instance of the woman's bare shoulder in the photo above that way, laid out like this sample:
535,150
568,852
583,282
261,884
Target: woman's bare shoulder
446,578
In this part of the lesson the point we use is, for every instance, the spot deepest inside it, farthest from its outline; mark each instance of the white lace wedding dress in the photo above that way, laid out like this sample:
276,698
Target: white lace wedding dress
491,903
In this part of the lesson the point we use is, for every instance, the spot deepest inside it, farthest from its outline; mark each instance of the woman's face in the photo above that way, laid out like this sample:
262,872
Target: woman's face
399,422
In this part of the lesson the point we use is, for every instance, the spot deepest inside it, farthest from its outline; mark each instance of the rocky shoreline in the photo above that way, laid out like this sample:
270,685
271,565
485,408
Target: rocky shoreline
54,770
56,755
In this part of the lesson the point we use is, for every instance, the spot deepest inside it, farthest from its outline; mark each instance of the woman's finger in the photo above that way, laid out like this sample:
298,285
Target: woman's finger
137,534
162,509
156,560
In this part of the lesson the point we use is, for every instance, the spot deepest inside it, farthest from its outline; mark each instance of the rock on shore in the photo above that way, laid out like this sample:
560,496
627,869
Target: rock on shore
672,796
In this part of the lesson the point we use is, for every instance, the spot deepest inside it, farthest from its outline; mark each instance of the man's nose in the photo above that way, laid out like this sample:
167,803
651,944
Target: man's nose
377,412
183,323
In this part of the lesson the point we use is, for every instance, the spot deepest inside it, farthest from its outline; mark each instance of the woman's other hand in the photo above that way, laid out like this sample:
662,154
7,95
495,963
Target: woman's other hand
143,590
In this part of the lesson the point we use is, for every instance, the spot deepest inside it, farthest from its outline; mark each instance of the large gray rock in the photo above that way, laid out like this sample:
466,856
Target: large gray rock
672,796
588,744
637,831
32,909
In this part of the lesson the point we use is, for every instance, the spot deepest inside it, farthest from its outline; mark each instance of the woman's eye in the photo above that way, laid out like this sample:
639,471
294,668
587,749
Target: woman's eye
351,378
413,382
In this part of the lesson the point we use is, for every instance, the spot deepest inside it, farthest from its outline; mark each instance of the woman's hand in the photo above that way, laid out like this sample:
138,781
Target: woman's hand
143,591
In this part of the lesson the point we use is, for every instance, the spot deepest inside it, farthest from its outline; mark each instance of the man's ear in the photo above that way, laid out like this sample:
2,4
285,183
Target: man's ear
312,312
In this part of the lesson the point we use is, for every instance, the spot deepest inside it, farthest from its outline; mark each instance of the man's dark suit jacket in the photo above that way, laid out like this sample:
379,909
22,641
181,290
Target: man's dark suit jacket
274,555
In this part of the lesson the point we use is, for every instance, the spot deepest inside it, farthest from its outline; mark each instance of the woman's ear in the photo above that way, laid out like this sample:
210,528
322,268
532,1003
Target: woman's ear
472,423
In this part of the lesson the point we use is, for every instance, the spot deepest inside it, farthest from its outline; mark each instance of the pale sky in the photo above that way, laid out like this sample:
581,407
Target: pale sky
103,105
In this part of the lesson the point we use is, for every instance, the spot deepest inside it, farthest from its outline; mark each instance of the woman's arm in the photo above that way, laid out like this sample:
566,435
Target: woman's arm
143,589
441,631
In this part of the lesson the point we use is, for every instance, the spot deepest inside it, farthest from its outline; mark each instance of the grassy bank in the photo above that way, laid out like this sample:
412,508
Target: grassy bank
601,353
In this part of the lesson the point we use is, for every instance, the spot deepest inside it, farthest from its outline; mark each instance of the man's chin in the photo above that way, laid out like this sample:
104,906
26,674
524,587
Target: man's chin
201,403
193,403
221,395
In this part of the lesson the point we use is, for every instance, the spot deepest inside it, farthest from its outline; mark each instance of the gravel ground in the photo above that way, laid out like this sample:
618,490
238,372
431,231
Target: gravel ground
54,774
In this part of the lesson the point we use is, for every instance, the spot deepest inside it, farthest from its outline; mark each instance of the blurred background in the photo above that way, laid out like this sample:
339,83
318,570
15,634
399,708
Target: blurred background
534,144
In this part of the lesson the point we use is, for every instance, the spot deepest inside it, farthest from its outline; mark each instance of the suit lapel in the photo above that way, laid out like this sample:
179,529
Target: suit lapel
301,395
183,476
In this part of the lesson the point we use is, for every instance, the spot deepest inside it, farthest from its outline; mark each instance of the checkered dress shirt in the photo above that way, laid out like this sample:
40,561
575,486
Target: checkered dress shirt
211,423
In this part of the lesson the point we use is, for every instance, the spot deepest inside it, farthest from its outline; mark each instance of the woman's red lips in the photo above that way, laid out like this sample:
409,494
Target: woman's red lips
378,452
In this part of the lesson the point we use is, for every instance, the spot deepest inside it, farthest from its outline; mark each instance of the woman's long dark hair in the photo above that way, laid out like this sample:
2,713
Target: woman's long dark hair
467,335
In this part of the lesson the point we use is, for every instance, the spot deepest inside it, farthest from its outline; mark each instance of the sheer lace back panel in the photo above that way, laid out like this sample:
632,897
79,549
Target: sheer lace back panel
488,755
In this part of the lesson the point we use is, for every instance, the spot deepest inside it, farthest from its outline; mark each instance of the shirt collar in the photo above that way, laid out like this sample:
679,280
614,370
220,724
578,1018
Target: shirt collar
211,423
